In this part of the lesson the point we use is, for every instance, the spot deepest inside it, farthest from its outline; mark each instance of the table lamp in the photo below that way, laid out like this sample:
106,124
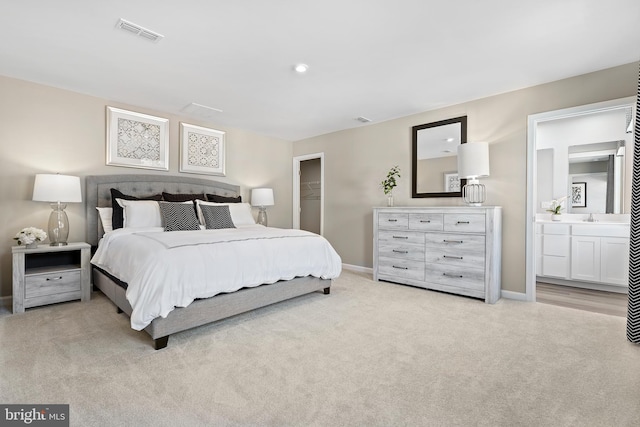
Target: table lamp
58,190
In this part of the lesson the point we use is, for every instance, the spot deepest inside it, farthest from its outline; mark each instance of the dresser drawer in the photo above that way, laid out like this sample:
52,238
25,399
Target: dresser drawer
426,221
468,278
401,250
467,242
413,237
468,223
395,221
52,283
408,269
455,257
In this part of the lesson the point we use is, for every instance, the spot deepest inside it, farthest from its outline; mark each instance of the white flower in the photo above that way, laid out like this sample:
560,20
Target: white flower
556,206
29,235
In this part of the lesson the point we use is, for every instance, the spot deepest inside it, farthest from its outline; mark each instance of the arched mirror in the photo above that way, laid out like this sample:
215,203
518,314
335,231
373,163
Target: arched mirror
435,158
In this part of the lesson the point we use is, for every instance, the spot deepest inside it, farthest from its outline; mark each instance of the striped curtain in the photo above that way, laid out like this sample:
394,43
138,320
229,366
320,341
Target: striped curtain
633,313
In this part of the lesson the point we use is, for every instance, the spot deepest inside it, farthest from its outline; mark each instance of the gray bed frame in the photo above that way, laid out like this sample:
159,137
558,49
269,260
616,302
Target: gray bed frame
200,312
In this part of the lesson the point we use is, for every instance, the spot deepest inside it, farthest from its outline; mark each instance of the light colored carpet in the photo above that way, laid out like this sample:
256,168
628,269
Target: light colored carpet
374,354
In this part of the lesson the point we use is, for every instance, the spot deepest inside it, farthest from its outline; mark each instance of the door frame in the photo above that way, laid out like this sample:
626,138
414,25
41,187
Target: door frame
532,124
296,188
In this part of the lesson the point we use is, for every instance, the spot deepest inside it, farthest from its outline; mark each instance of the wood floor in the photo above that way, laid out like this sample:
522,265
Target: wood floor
582,299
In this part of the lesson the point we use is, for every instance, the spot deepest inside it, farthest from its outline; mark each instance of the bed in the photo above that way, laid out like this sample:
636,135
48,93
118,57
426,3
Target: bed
202,310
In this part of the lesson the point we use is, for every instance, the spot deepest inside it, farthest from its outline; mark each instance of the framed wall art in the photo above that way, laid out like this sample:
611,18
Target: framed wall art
451,182
579,195
137,140
202,150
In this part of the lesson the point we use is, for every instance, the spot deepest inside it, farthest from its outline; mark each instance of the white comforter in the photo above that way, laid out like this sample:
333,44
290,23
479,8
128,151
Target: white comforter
165,270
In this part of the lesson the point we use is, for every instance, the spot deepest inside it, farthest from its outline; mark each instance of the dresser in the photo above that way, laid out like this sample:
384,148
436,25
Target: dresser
450,249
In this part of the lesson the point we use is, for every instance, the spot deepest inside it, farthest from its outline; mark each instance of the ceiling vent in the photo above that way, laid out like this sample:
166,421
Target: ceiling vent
363,119
200,110
136,29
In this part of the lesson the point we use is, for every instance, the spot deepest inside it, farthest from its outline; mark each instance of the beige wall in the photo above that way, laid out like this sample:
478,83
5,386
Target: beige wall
48,130
357,160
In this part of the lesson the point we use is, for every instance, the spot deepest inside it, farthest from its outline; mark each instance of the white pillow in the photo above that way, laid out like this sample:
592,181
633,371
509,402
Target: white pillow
141,213
240,212
106,215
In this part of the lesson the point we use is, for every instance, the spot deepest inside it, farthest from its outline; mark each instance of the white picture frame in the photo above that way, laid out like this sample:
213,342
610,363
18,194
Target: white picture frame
137,140
451,182
202,150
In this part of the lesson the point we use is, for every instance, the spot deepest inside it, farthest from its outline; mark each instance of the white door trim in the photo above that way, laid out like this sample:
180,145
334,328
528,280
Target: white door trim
532,124
296,188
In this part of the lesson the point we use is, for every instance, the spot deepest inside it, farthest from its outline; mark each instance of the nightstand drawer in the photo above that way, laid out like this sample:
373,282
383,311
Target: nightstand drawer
52,283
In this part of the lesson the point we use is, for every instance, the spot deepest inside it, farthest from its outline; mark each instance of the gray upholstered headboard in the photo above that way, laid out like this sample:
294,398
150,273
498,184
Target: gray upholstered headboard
98,192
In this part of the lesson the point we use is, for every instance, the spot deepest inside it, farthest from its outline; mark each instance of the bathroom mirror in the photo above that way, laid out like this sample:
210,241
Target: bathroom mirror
596,177
435,158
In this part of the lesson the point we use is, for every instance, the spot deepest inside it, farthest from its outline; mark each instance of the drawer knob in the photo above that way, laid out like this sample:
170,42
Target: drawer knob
449,256
453,241
400,252
425,221
463,222
457,276
392,220
401,268
54,278
400,237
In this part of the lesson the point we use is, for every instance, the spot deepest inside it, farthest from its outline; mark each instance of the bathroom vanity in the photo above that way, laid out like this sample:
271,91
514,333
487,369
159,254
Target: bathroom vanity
581,253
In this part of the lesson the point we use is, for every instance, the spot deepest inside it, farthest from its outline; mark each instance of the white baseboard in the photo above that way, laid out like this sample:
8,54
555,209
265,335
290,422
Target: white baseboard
357,268
518,296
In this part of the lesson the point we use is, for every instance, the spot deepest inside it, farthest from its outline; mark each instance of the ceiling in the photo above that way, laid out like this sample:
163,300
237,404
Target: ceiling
380,59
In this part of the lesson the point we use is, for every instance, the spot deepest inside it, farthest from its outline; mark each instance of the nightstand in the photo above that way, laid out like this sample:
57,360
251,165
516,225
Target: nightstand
50,274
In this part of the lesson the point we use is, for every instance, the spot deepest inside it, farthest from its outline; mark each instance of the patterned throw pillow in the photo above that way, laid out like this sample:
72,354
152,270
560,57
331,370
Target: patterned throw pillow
216,217
179,216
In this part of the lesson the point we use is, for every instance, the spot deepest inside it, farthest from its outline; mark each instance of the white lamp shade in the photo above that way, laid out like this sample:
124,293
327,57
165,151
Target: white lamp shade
262,197
473,160
57,188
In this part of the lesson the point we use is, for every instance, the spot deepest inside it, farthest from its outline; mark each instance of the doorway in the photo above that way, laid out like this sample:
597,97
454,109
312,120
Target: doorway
534,198
308,193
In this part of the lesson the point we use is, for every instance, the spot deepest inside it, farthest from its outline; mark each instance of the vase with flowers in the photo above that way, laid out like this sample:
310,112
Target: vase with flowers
556,208
30,237
389,183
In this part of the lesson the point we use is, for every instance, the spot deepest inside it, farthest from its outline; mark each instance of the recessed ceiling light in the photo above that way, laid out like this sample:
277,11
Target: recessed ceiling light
363,119
301,68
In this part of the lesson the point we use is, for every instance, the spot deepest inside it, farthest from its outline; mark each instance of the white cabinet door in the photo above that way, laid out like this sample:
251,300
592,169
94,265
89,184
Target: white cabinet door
585,258
614,260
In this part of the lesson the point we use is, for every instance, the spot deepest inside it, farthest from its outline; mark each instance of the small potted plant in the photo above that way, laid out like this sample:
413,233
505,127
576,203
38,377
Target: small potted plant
389,183
30,237
556,208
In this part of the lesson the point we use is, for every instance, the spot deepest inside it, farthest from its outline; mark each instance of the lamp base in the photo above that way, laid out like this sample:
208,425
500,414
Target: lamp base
474,193
58,225
262,216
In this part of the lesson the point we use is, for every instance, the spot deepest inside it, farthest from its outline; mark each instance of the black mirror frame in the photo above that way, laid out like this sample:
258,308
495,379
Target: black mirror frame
414,156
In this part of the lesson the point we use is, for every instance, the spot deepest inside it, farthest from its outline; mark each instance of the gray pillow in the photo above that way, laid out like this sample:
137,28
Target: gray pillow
216,217
178,216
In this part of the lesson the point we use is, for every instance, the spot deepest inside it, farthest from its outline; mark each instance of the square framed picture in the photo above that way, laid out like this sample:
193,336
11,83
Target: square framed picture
202,150
137,140
451,182
579,195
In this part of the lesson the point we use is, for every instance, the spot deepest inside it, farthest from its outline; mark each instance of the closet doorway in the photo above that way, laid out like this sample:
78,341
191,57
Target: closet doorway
308,193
